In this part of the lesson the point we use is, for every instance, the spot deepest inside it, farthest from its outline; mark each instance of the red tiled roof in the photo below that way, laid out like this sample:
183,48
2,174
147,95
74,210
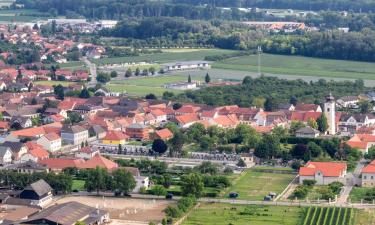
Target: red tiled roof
115,135
98,161
328,169
188,118
40,153
164,133
370,168
61,163
306,107
52,136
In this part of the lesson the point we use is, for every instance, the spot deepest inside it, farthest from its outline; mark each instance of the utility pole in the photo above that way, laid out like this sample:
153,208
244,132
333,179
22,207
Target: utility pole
259,61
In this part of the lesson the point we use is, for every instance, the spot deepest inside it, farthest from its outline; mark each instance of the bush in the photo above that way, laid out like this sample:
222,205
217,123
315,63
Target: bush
309,183
335,187
172,212
158,190
143,190
228,170
300,192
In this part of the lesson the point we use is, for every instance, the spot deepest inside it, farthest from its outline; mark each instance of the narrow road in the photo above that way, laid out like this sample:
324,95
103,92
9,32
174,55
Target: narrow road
93,71
352,179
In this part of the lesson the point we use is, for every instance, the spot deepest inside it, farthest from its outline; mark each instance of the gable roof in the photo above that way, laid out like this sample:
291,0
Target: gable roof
98,161
164,133
328,169
115,135
370,168
60,163
41,187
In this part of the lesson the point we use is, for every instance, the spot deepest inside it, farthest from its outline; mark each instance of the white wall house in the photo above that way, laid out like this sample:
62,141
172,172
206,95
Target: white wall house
51,142
5,155
323,173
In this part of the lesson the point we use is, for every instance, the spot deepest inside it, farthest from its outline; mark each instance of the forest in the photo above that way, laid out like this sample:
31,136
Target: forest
272,91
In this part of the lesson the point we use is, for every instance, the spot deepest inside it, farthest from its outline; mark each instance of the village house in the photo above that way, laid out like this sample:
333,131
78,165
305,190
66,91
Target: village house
362,142
18,149
86,153
39,193
74,135
368,175
164,134
186,65
307,132
5,155
348,102
51,142
115,138
138,131
323,173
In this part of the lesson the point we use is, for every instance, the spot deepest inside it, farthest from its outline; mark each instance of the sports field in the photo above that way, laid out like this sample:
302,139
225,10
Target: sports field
224,214
298,65
254,184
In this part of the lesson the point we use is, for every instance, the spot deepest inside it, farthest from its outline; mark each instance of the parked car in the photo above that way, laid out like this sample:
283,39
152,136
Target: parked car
169,196
233,195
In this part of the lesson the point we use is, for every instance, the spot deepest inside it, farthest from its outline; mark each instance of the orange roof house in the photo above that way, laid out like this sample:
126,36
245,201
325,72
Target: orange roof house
98,161
368,175
115,137
164,134
58,164
323,172
362,141
186,120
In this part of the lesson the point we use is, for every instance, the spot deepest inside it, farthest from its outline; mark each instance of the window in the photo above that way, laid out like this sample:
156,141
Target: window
328,109
365,177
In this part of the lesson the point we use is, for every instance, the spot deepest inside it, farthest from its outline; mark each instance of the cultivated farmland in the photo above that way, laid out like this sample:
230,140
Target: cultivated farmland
328,216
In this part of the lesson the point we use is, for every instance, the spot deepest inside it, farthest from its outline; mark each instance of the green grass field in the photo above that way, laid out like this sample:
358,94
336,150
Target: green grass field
298,65
134,90
253,185
224,214
54,82
165,56
78,185
19,15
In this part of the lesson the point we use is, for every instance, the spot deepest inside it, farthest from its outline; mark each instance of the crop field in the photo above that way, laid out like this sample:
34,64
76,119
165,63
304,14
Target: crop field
19,15
165,56
303,66
54,82
328,216
254,184
224,214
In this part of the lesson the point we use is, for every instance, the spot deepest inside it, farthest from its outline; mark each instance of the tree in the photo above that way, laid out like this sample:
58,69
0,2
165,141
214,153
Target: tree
34,101
73,117
268,147
293,100
123,181
145,72
270,104
365,106
137,71
192,184
207,167
152,70
295,125
312,123
119,151
35,27
103,78
84,93
151,96
207,78
176,144
159,146
301,151
96,180
113,74
128,72
158,190
59,92
322,123
189,79
247,80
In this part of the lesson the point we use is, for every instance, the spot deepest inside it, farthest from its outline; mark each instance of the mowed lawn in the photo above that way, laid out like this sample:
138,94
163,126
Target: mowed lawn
140,91
78,185
254,185
358,193
298,65
156,81
168,56
224,214
54,82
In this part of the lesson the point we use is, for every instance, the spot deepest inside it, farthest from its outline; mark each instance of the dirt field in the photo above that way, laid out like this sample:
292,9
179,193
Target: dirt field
125,210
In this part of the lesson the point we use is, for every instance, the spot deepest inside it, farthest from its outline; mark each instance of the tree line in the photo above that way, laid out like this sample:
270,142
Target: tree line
267,92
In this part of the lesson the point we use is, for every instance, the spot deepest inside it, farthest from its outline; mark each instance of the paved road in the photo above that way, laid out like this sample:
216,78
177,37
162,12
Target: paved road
93,71
352,179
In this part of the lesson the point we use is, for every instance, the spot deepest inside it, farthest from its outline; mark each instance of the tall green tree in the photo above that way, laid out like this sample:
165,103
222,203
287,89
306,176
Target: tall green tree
192,184
207,78
189,79
322,123
96,180
123,181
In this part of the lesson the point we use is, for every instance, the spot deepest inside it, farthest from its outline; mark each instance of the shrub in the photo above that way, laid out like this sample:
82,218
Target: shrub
335,187
309,183
158,190
300,192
